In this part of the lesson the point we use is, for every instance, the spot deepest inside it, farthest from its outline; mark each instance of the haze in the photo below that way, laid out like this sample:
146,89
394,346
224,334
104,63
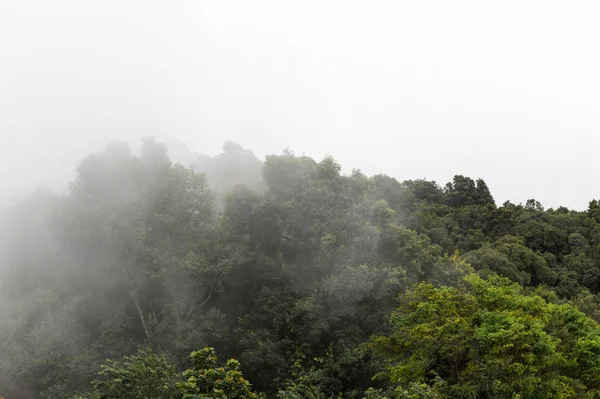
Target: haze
504,91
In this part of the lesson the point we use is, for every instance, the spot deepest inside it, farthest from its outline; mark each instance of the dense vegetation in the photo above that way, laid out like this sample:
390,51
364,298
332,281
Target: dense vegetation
313,283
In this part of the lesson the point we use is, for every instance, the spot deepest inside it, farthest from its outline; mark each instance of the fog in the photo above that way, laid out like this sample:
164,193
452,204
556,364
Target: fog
503,91
325,134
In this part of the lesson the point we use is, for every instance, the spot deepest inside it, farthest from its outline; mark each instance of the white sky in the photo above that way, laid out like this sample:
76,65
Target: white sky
502,90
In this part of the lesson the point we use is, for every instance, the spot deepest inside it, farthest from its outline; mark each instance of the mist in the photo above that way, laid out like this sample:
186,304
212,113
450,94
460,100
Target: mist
426,90
280,183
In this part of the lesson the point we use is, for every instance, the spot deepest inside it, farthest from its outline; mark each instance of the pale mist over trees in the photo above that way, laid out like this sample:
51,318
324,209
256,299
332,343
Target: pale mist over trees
154,269
268,199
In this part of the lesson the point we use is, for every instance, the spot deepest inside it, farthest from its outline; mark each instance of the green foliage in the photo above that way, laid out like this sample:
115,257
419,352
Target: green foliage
260,260
509,257
143,376
206,380
463,191
427,191
417,390
149,376
303,384
488,338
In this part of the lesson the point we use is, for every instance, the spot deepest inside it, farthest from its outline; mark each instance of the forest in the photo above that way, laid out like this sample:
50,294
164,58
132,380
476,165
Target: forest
163,273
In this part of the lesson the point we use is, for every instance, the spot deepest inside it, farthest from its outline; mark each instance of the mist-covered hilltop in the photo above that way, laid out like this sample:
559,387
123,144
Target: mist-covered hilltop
317,283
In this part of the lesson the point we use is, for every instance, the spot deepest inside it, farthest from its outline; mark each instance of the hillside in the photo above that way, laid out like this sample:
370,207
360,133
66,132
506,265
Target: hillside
318,284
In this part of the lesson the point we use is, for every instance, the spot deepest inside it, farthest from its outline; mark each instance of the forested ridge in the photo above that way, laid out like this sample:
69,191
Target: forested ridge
169,274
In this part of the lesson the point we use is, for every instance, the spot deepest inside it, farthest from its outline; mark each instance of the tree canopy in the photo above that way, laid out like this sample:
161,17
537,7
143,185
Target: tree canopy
315,283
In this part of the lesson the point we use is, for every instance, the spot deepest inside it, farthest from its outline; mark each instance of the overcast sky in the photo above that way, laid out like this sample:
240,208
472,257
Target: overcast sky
502,90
